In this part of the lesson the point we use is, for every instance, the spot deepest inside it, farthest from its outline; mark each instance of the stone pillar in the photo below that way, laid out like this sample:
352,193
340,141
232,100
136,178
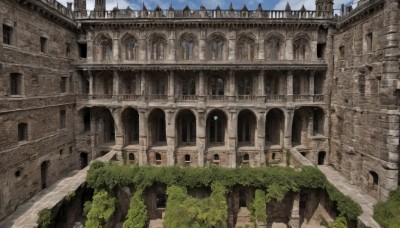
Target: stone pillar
261,48
143,85
143,139
91,83
294,220
261,136
232,49
288,127
202,92
142,49
260,86
311,85
170,128
202,45
93,135
201,136
232,86
119,138
115,48
232,141
289,87
171,54
313,49
289,49
90,48
171,87
116,83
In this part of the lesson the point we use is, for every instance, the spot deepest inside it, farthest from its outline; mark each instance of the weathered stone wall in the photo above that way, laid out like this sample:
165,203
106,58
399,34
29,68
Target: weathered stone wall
38,104
364,116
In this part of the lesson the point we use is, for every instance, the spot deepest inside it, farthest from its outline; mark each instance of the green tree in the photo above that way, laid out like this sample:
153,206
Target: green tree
102,208
137,214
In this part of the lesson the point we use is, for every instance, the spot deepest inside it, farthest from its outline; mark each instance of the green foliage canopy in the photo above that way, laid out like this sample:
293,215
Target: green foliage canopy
387,214
101,210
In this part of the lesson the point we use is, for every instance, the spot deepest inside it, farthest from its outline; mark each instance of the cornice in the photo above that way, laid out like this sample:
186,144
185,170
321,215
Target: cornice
199,67
360,12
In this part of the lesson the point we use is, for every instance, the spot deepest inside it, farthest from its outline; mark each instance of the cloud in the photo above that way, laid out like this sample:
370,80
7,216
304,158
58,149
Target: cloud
308,4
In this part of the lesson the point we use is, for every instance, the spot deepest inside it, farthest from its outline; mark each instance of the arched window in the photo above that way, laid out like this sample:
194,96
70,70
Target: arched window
132,157
274,48
245,49
104,44
187,123
216,157
216,49
157,49
245,158
156,123
300,47
158,157
187,158
216,86
246,127
187,49
130,48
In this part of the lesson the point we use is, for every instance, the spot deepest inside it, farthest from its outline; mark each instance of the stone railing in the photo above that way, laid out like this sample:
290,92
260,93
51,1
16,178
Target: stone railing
66,11
187,97
217,98
246,98
280,98
203,13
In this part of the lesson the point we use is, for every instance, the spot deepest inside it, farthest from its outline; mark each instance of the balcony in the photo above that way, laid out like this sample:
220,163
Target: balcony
186,98
275,98
217,98
246,98
308,98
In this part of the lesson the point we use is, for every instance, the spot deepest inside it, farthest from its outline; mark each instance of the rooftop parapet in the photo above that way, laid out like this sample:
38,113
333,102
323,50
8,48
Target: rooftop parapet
66,11
203,13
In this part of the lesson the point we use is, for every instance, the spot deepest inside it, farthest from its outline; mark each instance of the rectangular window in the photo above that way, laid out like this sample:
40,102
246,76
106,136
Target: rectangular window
321,50
68,50
341,52
63,84
15,84
82,50
369,42
63,119
22,132
43,44
7,34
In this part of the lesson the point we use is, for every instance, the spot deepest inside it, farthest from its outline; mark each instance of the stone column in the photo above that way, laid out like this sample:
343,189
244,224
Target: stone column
89,47
288,127
232,86
289,49
232,141
261,136
289,87
313,49
232,49
115,48
294,220
170,128
202,92
261,48
119,138
202,45
142,49
201,136
143,85
171,87
143,139
260,86
171,54
115,83
91,83
93,135
311,86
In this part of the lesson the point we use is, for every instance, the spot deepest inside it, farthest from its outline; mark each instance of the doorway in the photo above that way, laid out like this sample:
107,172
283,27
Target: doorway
43,173
321,158
84,159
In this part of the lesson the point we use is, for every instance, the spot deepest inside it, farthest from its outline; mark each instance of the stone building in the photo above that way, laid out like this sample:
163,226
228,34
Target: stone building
196,87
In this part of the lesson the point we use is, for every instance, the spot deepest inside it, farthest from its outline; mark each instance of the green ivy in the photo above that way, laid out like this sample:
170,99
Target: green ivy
45,218
277,180
387,214
259,207
101,210
137,214
340,222
185,211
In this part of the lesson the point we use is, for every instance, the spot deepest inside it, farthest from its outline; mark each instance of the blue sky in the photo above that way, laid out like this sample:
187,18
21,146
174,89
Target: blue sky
211,4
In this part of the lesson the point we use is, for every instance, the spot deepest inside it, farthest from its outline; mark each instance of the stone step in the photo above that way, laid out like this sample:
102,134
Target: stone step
156,223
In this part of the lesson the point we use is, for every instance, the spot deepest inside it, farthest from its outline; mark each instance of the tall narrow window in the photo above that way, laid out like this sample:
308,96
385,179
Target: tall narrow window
216,49
15,84
244,86
82,50
217,124
7,34
63,119
217,86
274,45
369,42
341,52
157,49
187,50
188,86
245,49
188,124
63,84
22,132
130,49
68,50
321,50
43,44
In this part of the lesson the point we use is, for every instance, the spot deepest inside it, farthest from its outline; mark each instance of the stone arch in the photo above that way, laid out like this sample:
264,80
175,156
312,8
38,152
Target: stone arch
130,123
275,127
185,122
103,83
157,127
373,180
300,125
103,47
217,47
84,119
318,121
302,47
105,124
246,47
321,157
157,46
188,46
217,125
129,47
246,127
274,46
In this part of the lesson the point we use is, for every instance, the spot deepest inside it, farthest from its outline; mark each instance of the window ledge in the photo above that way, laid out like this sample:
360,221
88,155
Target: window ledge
318,137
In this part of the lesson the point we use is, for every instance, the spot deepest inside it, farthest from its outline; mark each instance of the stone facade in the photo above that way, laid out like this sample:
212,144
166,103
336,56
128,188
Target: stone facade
195,88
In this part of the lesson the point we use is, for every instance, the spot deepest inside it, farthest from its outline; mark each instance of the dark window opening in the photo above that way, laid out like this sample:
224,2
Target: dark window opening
369,42
43,44
63,119
216,157
61,151
187,158
68,50
246,158
158,158
321,50
273,156
7,34
86,121
63,84
82,50
132,157
71,149
342,52
321,158
84,159
15,84
242,198
22,132
161,198
17,173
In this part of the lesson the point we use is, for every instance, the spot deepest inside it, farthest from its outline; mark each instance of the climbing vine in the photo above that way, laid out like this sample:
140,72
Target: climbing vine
101,209
276,180
137,214
259,207
340,222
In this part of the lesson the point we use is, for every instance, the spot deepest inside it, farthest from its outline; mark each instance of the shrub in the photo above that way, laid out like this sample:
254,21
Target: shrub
340,222
102,208
45,218
259,207
387,214
137,214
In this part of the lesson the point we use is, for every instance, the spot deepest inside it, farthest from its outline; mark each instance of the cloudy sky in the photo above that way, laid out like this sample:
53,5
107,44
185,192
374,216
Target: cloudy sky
211,4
